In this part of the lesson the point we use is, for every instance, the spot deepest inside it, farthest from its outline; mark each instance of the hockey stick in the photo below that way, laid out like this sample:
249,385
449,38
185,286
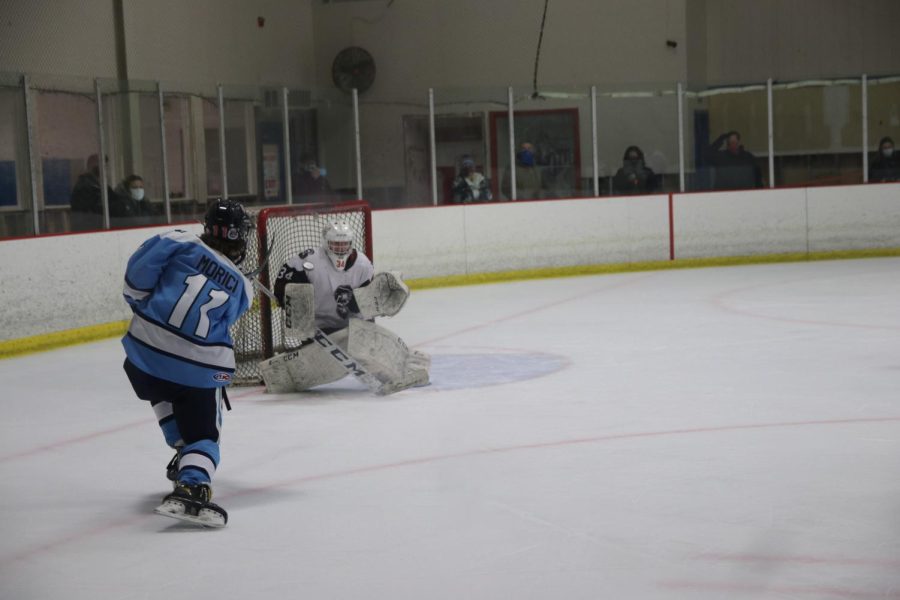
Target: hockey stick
253,274
350,365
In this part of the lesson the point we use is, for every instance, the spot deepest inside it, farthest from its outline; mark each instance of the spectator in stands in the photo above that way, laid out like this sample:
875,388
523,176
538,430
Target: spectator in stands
470,185
311,183
529,184
86,200
886,166
128,203
733,167
635,177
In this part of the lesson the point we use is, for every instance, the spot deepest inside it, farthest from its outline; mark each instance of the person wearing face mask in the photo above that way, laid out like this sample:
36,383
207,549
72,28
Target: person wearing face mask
886,166
635,177
733,167
529,183
470,185
128,202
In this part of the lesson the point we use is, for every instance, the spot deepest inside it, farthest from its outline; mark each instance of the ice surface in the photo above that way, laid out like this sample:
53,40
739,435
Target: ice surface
712,433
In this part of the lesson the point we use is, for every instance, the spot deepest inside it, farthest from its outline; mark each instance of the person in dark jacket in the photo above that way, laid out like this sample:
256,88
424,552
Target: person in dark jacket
86,200
311,183
734,168
129,206
635,177
886,166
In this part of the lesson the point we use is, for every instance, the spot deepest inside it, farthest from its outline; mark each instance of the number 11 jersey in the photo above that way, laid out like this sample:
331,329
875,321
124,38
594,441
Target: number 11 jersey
185,296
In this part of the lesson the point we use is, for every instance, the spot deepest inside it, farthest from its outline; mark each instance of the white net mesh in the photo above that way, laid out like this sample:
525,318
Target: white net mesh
286,231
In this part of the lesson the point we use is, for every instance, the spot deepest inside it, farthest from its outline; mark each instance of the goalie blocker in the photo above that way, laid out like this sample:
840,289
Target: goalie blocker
381,353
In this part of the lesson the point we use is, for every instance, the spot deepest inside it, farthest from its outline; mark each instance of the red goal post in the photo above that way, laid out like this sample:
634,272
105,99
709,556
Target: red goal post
287,230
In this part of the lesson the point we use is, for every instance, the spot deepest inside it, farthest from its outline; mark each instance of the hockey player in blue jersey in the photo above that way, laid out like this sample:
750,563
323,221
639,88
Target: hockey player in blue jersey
186,292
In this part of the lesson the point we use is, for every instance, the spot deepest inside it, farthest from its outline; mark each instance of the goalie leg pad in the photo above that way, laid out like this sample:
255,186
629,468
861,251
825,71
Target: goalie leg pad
387,356
307,367
384,297
275,373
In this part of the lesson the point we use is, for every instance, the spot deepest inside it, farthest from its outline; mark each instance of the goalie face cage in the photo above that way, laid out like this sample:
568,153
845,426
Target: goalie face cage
287,230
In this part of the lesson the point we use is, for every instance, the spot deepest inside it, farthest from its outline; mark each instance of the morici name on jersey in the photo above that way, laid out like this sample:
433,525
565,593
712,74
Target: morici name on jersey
217,273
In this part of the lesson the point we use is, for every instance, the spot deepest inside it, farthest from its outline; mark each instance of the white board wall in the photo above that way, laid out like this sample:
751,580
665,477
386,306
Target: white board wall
61,282
854,217
55,283
740,223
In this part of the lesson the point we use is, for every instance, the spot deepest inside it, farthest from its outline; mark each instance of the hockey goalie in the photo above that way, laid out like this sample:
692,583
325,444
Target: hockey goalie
330,296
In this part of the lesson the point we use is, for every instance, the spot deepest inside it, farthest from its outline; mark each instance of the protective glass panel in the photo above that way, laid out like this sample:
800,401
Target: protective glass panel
269,150
179,146
214,186
730,140
253,145
637,139
323,156
191,120
552,144
134,169
463,143
396,162
696,140
16,216
65,133
817,134
884,129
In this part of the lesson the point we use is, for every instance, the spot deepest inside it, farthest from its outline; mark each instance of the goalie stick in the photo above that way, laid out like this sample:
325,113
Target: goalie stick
349,364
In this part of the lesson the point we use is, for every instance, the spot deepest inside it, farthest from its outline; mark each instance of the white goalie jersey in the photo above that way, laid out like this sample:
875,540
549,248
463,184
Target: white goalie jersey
334,291
333,287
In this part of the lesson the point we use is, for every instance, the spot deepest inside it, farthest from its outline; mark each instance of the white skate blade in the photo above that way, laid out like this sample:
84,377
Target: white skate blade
176,510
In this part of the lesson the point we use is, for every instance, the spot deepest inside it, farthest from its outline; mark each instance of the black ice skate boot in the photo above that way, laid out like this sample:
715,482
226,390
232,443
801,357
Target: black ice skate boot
191,503
172,467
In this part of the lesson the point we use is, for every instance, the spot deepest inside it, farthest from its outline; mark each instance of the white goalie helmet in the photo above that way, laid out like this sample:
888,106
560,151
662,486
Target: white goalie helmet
338,239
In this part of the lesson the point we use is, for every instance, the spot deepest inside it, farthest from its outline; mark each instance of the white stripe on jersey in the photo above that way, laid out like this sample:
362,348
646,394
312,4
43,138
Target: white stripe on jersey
193,459
162,410
155,336
133,293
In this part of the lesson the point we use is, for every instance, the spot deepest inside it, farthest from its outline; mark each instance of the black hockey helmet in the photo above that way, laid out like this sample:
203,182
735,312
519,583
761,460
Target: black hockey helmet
225,228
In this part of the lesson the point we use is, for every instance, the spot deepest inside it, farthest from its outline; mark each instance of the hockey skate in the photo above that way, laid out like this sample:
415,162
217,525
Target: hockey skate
191,503
172,467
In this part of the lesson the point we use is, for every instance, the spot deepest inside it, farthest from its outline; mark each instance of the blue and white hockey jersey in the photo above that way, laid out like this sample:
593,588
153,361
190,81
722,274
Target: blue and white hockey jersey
185,297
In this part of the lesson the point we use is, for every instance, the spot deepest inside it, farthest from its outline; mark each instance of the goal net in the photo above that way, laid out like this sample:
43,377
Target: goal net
286,231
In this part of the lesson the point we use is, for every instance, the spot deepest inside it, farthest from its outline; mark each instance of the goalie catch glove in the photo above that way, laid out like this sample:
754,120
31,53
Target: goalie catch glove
384,297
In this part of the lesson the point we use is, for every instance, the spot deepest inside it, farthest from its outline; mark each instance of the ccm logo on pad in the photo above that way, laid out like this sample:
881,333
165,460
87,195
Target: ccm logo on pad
221,377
